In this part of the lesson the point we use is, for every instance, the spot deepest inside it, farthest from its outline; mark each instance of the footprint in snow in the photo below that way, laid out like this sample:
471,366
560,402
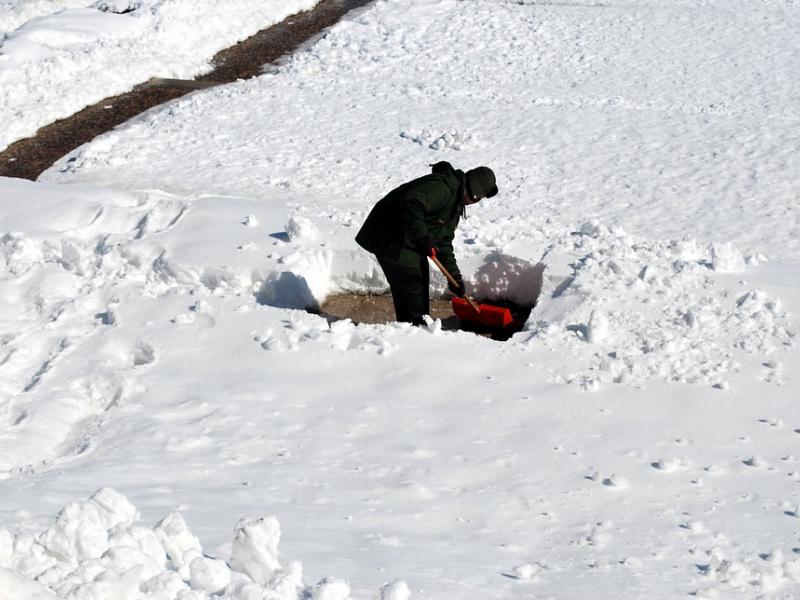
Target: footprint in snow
598,536
693,526
100,394
21,417
526,572
671,464
106,318
612,481
615,481
756,462
198,320
143,354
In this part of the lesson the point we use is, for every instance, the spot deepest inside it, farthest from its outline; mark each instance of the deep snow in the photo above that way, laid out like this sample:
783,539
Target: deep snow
637,439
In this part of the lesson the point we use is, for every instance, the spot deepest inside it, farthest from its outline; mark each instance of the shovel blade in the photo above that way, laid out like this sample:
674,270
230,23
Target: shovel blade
490,316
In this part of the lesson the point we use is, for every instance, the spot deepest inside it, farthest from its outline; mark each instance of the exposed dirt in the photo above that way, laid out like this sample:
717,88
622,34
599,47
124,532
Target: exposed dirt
247,59
361,308
28,158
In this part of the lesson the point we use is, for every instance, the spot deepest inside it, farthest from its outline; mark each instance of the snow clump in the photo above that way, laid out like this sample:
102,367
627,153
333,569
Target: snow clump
396,590
301,229
765,573
448,140
96,550
725,258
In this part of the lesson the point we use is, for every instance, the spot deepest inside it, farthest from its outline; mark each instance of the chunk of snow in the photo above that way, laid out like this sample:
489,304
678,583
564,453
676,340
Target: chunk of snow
181,545
331,588
22,588
525,572
255,548
725,258
209,574
396,590
598,328
301,229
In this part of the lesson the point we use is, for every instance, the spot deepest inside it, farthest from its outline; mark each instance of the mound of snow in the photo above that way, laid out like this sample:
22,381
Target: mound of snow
635,310
505,277
301,229
96,549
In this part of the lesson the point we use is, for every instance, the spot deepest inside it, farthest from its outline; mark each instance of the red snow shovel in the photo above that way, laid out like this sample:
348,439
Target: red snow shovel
467,309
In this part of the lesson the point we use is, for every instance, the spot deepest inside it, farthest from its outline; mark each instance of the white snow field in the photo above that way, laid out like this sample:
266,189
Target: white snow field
57,57
208,438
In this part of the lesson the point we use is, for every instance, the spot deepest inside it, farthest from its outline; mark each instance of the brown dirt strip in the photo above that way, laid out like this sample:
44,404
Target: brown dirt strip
373,309
29,157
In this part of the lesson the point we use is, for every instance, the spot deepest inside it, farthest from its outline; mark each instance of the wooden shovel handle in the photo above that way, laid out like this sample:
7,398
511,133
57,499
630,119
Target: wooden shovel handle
452,281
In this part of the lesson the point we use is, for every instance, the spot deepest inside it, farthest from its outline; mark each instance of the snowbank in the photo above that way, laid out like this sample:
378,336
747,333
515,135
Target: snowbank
46,64
97,549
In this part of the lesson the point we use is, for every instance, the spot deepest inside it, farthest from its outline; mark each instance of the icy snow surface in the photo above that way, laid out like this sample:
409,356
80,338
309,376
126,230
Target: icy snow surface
63,60
637,439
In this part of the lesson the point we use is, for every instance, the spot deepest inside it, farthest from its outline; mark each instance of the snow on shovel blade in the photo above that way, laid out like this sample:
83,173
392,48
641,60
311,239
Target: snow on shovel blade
491,316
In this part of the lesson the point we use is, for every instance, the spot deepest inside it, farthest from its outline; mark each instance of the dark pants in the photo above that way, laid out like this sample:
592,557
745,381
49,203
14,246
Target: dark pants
409,280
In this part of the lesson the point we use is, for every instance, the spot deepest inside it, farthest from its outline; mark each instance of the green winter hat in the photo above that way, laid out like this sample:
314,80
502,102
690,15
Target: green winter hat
481,183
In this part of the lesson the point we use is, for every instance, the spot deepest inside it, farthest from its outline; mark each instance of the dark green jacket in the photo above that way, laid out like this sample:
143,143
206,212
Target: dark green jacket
426,208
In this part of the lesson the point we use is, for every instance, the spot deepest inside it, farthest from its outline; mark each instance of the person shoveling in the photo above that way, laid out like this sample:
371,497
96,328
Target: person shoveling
417,221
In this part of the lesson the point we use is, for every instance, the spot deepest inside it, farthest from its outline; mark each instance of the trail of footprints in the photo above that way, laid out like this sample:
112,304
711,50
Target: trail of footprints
42,356
691,497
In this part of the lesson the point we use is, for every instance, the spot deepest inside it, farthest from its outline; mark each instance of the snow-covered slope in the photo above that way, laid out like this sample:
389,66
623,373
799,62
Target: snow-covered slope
148,346
668,118
60,62
637,439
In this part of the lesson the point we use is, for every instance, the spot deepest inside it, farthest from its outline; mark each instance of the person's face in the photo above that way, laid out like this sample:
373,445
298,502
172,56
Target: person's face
469,199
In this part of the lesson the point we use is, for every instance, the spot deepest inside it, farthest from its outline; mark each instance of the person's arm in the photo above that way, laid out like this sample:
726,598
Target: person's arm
418,203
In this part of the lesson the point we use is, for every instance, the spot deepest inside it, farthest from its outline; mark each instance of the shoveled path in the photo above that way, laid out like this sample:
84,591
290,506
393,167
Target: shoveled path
29,157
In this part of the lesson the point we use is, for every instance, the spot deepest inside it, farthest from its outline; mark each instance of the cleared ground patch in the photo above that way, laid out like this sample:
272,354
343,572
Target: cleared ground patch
373,309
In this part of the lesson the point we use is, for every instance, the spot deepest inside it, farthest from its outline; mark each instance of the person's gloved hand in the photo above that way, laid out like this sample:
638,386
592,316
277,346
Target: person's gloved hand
425,247
458,290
